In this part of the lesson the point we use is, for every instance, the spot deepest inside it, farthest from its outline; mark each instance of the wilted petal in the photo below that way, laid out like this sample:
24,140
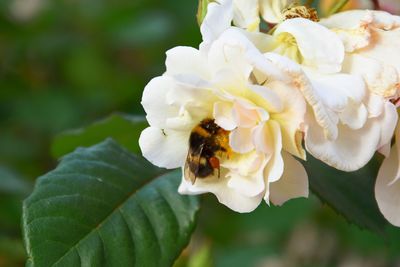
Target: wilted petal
164,148
292,184
381,78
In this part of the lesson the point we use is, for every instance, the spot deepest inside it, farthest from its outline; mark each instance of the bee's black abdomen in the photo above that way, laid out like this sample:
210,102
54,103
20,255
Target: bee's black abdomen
204,170
202,147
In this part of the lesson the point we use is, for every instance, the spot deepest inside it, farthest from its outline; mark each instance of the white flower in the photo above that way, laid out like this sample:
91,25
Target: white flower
231,82
337,121
371,40
340,129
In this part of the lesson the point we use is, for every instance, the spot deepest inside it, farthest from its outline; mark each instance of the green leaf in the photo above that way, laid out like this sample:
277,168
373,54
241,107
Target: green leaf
103,206
123,128
202,10
351,194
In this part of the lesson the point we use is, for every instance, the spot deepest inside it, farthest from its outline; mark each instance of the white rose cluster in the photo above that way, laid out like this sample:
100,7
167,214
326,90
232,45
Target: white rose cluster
235,113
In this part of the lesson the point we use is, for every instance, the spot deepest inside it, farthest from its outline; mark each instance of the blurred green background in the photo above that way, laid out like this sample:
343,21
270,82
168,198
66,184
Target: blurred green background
67,63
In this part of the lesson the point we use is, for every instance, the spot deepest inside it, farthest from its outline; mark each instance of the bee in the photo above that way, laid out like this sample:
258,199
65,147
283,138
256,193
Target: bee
208,143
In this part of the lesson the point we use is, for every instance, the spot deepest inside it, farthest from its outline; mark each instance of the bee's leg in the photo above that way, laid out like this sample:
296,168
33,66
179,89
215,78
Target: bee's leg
214,162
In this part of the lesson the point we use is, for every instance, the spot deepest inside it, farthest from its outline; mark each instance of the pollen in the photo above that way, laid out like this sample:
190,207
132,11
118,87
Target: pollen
292,12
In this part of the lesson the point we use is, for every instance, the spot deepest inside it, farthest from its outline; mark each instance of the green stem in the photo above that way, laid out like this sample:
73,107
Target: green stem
337,7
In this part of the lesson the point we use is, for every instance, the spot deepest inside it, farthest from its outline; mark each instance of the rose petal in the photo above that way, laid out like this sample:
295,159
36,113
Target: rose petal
246,14
225,194
186,60
350,151
164,148
154,101
387,193
218,19
223,115
292,184
240,140
321,48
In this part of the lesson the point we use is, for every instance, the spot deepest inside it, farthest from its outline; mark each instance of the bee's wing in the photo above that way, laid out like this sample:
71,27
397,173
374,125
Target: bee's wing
187,173
193,157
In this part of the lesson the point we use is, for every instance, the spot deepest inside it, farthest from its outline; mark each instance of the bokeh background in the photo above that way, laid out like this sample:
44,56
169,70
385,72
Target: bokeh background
67,63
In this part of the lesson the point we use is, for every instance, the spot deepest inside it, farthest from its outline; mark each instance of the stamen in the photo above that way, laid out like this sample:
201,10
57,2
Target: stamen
292,12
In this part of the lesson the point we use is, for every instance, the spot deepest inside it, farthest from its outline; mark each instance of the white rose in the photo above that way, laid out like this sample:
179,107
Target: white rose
340,129
372,40
249,97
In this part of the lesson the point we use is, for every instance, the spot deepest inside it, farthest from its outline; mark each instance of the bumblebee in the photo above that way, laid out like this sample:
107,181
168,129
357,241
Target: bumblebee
208,143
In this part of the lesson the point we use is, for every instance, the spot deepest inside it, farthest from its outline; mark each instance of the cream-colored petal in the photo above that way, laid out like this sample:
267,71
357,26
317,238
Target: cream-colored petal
351,27
164,148
292,184
354,115
387,193
291,117
186,60
263,138
375,105
388,121
225,194
154,101
320,48
350,151
240,140
272,10
234,50
229,54
323,115
218,19
381,78
223,115
274,168
246,14
246,174
336,90
266,98
246,114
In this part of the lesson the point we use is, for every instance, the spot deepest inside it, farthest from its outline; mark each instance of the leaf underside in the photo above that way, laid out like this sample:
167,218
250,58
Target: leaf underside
351,194
103,206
